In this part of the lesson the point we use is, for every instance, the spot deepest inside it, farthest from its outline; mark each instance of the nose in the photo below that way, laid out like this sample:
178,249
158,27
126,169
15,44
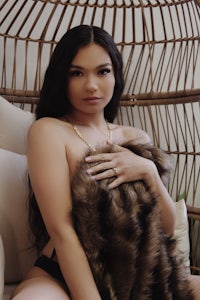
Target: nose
91,84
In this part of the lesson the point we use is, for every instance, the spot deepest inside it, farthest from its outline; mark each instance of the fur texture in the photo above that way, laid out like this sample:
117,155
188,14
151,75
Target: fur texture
121,233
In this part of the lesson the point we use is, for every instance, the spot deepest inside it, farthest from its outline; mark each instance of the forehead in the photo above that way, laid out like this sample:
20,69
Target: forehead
91,54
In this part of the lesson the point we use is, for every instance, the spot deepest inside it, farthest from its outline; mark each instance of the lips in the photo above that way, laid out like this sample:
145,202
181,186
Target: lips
92,100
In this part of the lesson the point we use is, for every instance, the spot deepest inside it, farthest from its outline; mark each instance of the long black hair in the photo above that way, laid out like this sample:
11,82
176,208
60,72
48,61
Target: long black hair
54,103
53,97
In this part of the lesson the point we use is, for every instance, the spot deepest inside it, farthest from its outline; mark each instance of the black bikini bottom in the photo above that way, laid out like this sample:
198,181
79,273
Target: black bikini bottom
52,268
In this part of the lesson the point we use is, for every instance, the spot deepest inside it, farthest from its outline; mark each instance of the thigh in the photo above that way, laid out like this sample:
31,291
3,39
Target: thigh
40,288
195,285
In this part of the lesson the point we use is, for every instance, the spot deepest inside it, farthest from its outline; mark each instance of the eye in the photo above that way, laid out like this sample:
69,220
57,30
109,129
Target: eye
75,73
104,71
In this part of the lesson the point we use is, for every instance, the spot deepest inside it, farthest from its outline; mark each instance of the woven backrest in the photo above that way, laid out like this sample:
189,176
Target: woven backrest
159,41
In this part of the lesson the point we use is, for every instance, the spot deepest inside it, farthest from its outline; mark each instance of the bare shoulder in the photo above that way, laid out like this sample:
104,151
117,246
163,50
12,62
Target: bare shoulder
131,134
45,124
51,128
55,137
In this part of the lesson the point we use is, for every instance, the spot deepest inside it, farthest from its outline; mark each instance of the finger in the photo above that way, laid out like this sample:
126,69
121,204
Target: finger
115,183
99,168
99,157
104,175
105,156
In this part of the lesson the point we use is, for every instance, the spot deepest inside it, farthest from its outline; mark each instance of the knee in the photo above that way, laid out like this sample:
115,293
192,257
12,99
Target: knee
195,285
34,296
40,289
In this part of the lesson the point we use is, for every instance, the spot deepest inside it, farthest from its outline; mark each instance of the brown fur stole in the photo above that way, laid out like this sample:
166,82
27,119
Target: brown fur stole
121,233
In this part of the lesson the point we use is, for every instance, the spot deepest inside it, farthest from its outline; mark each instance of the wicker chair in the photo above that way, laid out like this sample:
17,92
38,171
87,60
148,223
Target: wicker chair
161,69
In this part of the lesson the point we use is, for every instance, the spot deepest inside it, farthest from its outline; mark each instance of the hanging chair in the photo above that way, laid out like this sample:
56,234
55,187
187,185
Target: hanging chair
160,44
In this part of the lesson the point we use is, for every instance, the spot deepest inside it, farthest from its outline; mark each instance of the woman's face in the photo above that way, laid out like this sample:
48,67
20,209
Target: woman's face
91,80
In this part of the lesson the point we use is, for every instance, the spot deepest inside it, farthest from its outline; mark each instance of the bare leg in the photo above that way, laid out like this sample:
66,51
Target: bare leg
39,286
45,287
195,285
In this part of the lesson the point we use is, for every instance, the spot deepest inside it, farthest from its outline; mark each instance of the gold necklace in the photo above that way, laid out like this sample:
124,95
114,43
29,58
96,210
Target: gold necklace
86,142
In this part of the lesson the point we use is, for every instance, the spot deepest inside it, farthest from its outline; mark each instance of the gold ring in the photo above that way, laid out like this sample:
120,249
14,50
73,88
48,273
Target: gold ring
115,171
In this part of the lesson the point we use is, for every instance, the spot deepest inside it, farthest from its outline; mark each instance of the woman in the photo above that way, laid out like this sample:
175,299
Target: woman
78,102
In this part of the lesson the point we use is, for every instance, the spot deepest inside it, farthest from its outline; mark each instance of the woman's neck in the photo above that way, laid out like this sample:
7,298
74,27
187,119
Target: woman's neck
96,121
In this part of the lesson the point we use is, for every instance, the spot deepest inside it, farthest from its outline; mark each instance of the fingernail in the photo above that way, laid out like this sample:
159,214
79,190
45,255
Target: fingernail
110,187
88,158
88,171
93,178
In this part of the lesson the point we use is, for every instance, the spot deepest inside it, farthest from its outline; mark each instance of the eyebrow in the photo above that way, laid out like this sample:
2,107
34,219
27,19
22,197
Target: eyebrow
100,66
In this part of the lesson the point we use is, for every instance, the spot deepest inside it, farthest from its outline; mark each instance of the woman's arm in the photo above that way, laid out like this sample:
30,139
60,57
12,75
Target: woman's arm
50,178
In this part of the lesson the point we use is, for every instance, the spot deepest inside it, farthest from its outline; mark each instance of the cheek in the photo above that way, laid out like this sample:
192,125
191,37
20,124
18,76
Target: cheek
72,88
110,84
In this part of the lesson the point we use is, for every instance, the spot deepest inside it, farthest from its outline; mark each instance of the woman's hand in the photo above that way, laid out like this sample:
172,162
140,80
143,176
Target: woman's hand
124,165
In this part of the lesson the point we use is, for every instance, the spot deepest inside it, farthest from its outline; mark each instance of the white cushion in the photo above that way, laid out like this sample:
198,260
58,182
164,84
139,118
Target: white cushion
14,125
2,259
181,232
13,215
